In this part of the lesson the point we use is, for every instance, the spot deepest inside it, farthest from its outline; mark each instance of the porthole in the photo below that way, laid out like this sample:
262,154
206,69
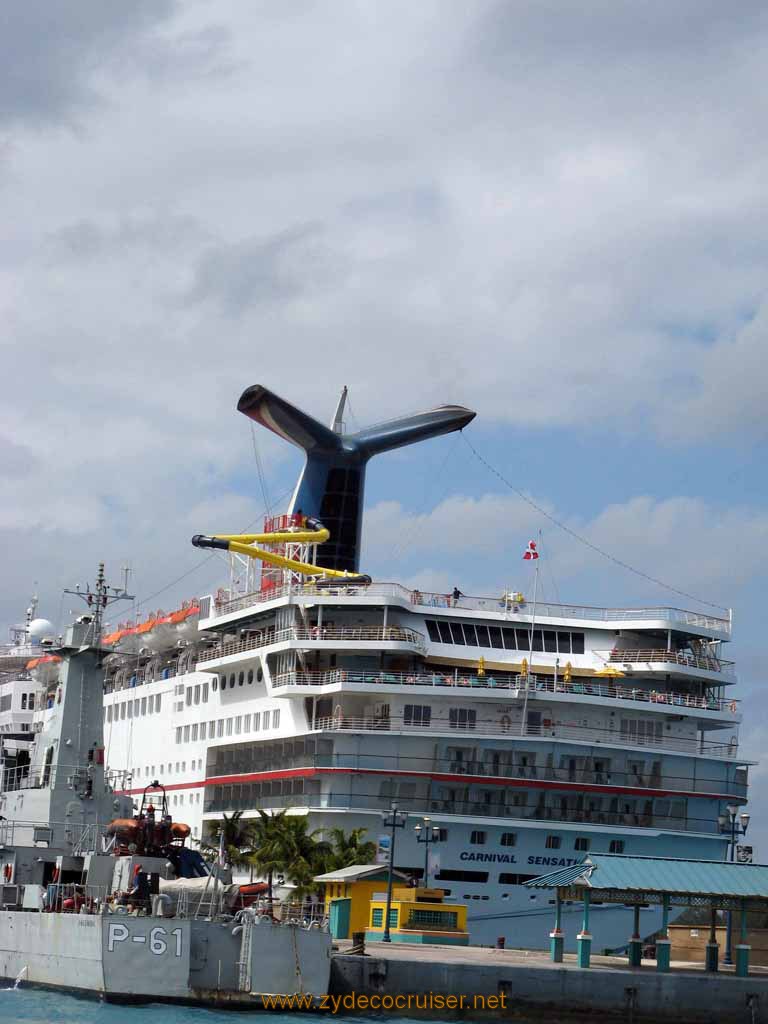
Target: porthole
215,683
223,682
232,679
259,675
241,679
250,676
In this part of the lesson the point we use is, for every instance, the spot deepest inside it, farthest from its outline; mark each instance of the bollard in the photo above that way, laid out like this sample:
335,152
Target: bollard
500,942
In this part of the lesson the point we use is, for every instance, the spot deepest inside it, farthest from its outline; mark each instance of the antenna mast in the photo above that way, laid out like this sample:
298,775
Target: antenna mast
100,598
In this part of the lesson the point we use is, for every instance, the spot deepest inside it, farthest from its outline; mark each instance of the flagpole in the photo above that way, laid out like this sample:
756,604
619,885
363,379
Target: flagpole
530,645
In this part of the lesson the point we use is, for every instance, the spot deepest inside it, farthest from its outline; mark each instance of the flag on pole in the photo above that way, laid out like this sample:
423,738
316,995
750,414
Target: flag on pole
531,551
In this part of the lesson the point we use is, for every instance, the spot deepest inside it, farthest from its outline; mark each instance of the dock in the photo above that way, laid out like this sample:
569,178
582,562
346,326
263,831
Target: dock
529,985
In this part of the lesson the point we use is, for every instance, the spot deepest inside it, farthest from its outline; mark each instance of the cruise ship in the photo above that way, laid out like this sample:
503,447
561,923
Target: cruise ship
528,733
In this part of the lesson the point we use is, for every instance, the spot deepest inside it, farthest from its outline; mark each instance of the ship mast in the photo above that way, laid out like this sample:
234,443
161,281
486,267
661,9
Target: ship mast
99,599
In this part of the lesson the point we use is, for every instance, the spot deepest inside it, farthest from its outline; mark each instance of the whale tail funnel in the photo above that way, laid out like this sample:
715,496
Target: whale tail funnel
332,482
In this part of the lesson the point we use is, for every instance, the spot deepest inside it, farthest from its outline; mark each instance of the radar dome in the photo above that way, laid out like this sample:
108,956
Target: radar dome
41,629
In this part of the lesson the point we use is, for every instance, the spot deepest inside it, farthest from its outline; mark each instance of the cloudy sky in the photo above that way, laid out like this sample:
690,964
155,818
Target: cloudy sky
554,213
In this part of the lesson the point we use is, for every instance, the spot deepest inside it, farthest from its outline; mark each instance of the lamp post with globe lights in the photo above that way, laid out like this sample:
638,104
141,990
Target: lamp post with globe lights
393,821
431,835
734,825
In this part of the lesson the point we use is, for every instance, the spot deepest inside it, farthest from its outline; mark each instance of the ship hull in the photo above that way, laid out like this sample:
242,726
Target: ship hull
139,959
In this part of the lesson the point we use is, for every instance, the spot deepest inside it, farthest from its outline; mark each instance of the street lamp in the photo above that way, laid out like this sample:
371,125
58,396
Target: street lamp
431,835
393,820
734,831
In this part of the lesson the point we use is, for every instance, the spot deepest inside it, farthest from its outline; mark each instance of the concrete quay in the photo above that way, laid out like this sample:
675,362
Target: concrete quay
535,988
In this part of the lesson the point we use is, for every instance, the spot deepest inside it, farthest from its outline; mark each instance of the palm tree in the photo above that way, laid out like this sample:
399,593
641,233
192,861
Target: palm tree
268,854
232,834
349,848
283,845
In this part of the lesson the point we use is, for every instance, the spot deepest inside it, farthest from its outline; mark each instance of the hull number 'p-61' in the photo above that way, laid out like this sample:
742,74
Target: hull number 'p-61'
159,940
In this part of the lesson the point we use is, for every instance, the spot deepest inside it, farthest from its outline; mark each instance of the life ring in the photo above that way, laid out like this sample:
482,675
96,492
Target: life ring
505,723
733,707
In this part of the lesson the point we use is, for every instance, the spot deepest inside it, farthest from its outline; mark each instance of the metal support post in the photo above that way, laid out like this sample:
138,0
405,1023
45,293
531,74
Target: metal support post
663,945
584,939
393,821
743,949
556,937
635,942
712,951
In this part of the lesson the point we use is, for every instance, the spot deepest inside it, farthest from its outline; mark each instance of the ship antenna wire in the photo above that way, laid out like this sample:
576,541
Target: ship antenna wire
583,540
260,470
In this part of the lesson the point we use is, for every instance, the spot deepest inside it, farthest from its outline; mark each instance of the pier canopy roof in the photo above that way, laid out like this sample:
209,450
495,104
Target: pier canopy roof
617,878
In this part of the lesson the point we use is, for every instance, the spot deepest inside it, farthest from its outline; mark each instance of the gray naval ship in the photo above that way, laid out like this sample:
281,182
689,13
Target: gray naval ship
98,899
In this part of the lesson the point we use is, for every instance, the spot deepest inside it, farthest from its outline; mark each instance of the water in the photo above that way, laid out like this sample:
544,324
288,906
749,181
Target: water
37,1006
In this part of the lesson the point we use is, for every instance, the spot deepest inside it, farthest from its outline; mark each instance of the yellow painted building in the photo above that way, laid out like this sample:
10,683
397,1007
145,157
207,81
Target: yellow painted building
348,894
419,916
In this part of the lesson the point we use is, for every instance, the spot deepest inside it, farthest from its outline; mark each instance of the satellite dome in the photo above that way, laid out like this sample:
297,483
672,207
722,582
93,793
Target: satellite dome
41,629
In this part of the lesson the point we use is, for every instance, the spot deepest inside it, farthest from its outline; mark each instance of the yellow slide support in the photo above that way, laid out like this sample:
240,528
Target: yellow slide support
313,532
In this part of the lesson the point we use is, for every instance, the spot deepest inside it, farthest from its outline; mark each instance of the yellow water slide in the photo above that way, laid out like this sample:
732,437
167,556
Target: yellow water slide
311,531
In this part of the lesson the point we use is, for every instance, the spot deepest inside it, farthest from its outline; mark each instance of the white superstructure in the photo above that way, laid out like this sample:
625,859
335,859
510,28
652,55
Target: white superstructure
528,739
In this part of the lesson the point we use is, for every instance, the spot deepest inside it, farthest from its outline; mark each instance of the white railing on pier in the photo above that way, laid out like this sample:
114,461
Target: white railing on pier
317,635
513,609
579,689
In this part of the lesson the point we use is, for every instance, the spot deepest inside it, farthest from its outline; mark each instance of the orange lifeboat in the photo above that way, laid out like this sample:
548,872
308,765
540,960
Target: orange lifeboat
45,669
125,830
185,621
179,830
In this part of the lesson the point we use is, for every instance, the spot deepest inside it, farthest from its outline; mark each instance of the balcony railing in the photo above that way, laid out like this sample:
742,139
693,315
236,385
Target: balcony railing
467,808
480,770
318,635
659,656
503,604
579,689
509,729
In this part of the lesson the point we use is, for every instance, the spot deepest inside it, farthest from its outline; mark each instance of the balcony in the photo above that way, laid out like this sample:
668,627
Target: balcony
357,637
582,689
440,809
250,762
376,592
660,657
610,738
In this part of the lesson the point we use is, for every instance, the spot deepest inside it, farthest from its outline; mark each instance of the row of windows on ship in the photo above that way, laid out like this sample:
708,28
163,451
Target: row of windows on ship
508,638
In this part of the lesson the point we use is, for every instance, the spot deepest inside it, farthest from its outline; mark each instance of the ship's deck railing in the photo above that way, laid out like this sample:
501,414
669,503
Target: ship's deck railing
660,656
74,898
506,604
315,634
478,767
53,776
507,728
581,688
439,809
81,837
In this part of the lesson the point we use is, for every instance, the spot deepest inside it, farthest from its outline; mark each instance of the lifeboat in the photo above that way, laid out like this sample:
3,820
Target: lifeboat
125,639
179,830
161,635
45,669
185,621
125,830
